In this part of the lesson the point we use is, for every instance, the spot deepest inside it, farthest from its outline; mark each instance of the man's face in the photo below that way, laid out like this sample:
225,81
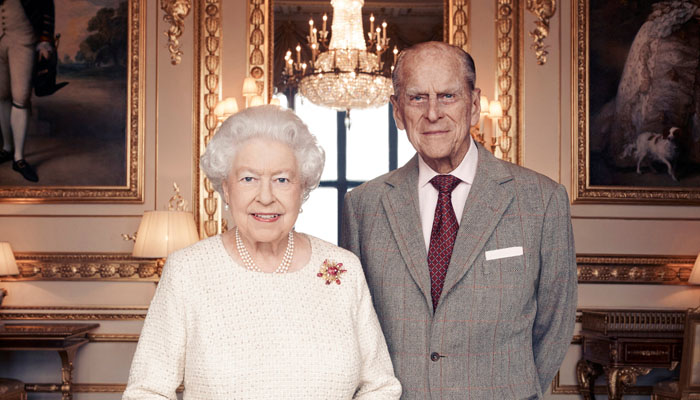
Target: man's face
436,108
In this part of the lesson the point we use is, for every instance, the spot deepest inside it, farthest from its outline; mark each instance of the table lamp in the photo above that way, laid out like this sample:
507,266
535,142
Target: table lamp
8,265
162,232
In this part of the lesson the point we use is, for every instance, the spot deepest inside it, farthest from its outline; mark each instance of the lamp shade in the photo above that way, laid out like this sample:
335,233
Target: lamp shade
257,100
162,232
250,87
484,103
226,108
695,273
8,265
495,109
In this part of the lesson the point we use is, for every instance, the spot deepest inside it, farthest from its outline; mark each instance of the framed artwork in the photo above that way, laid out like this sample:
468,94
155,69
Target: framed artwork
85,134
636,87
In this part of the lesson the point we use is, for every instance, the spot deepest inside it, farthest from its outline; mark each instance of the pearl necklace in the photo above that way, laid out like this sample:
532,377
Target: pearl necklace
250,264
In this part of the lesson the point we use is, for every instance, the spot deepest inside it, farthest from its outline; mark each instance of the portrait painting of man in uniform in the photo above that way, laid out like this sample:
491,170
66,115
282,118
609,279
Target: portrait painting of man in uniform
74,90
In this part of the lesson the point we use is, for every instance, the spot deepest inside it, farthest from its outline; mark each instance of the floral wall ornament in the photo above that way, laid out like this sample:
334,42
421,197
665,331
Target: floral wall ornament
175,13
543,10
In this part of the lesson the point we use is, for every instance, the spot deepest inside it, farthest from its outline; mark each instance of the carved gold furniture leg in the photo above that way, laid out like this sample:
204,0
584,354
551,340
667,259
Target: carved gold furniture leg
620,378
586,374
67,357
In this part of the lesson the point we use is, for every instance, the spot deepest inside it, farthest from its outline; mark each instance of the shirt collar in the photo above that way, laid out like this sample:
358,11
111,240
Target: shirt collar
465,171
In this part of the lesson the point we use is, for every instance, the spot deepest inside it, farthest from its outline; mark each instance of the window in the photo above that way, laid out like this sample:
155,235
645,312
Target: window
371,146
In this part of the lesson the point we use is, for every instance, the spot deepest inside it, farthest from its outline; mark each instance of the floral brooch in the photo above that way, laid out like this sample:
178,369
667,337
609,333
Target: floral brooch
330,271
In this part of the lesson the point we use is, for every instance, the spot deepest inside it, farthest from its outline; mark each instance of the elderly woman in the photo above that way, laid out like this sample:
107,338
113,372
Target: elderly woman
262,311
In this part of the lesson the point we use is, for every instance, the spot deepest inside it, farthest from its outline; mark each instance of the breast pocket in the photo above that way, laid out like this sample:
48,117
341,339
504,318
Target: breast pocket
507,259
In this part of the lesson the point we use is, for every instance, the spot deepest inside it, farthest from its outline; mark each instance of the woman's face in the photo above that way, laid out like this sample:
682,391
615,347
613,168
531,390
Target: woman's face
263,190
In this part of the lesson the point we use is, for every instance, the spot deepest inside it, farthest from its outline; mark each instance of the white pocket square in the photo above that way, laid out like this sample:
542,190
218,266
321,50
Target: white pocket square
504,253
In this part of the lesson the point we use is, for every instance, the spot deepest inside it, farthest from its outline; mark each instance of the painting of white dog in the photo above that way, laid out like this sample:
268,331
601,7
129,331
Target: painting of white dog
655,147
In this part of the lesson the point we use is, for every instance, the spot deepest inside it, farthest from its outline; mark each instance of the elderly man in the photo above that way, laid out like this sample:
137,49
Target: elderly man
470,260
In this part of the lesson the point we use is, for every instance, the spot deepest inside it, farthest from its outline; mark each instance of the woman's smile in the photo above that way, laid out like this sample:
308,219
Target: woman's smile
266,217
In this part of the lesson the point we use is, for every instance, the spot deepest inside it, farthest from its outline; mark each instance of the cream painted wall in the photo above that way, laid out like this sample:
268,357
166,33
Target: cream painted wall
614,229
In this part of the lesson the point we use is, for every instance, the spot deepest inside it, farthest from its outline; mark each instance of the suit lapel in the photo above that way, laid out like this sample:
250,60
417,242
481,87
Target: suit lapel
401,207
487,201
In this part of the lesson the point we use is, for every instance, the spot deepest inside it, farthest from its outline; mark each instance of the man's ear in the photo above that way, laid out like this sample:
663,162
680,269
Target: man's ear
396,110
475,106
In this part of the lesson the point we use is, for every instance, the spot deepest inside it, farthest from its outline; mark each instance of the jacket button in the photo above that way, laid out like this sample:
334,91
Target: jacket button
435,356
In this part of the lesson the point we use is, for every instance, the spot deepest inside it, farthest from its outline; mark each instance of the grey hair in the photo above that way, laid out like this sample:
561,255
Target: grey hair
464,58
264,122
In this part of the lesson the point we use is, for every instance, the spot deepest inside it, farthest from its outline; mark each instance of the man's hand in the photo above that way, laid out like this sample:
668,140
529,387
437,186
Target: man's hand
45,50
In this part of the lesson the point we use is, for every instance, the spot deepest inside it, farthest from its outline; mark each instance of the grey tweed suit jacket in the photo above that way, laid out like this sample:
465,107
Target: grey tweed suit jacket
503,325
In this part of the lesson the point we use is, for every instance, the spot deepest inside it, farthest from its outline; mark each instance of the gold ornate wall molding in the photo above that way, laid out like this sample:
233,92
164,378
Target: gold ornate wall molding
175,13
113,337
591,268
543,10
508,143
83,388
207,93
259,40
39,316
457,23
634,269
77,313
84,267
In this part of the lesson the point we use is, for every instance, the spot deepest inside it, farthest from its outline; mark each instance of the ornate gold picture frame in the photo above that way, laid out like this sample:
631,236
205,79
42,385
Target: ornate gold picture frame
86,139
617,120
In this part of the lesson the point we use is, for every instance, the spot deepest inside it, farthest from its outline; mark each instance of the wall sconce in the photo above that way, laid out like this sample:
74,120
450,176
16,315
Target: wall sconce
495,113
162,232
250,90
8,265
257,100
493,110
225,108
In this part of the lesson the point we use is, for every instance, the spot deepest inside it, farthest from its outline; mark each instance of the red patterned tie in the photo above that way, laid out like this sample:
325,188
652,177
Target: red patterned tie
443,234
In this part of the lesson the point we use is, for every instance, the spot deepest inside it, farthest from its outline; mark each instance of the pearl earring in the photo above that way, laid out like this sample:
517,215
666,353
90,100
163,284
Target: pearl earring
226,206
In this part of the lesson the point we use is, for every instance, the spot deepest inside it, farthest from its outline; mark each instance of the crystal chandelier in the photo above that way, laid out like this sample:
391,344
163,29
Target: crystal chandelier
348,74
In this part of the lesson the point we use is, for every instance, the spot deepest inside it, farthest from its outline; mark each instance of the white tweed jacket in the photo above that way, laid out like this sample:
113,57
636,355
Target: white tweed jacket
229,333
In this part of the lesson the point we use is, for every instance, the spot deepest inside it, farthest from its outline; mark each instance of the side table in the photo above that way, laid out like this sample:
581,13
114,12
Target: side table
63,338
625,344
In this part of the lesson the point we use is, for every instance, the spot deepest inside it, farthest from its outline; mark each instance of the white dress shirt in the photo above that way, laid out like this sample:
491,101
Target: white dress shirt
428,195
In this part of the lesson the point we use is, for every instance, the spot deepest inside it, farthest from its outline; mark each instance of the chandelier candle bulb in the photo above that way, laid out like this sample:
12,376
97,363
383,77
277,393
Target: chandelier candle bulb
311,27
344,71
384,31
